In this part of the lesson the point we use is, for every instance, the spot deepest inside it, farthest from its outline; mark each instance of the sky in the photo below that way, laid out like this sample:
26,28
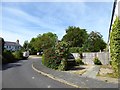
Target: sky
25,20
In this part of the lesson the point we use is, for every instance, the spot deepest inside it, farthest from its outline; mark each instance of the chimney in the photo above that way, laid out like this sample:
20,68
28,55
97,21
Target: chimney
17,41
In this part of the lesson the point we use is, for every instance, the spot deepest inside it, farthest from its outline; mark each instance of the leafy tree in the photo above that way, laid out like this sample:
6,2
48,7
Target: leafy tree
25,45
44,41
48,40
75,36
115,46
95,42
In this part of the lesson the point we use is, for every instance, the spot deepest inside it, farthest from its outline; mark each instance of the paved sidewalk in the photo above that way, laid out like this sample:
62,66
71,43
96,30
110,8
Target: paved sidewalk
92,72
80,81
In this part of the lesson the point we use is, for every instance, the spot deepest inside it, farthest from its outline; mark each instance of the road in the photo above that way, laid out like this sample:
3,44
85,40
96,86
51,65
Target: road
21,75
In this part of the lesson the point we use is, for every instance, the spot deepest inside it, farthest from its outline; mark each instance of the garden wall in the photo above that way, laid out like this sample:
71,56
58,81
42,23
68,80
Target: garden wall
88,58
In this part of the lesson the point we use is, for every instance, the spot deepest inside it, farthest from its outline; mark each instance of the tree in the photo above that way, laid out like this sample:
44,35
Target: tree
25,45
48,40
75,36
44,41
95,42
115,46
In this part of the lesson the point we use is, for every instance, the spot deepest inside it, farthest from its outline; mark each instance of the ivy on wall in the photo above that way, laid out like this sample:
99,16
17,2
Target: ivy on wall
115,46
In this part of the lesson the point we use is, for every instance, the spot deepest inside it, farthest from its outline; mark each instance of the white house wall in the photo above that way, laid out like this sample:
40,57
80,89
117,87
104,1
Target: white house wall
117,11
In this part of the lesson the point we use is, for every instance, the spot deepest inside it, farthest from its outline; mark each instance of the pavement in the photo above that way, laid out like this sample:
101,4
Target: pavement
92,71
87,80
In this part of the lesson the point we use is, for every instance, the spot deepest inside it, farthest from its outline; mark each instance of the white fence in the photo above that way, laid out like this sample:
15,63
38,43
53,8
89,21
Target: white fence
88,58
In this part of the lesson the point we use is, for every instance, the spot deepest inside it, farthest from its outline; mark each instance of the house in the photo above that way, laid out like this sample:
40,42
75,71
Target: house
12,46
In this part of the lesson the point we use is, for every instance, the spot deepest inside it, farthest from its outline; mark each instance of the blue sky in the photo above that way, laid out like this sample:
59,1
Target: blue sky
24,20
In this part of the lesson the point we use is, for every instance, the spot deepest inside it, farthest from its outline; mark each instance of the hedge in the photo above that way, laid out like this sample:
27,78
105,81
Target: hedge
115,46
75,50
18,55
7,57
10,57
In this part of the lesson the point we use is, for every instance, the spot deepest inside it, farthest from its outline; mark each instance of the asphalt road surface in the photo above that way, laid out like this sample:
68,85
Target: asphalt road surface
21,75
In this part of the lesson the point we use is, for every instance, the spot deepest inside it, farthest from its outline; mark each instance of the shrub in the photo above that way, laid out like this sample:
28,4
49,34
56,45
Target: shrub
63,65
97,61
75,50
79,61
115,46
110,62
43,59
50,59
56,57
7,57
33,51
18,55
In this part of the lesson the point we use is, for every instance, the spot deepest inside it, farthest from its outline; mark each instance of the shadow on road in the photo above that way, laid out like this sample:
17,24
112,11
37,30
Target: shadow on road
76,68
11,65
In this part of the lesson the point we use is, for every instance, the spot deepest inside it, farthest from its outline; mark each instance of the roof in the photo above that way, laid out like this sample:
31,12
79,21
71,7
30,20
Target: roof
11,43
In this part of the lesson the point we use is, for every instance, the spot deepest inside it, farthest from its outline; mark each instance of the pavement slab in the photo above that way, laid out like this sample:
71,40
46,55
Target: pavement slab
78,80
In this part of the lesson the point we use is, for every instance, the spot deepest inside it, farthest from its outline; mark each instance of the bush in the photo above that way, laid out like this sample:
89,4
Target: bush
18,55
115,46
43,59
63,65
110,62
79,61
7,57
50,59
75,50
56,57
97,61
33,51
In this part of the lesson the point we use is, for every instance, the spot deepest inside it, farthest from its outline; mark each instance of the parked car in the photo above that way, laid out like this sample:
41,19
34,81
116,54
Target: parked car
26,54
71,60
71,57
39,53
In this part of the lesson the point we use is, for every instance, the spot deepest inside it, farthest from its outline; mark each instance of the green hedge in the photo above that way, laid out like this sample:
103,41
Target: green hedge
18,55
75,50
7,57
115,46
10,57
